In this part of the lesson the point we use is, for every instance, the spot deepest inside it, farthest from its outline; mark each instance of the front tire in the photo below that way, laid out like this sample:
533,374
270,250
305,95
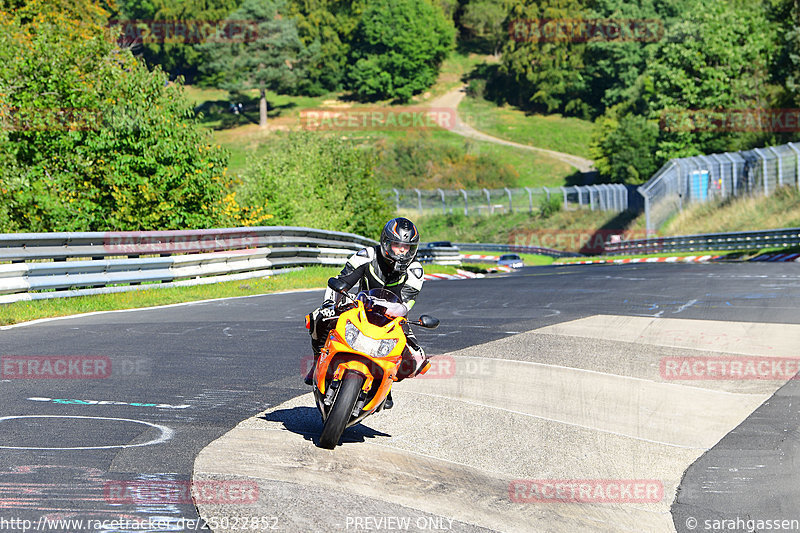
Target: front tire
341,410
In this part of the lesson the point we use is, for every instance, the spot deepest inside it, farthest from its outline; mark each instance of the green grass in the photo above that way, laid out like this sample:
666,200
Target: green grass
282,109
457,65
315,277
533,170
554,132
563,230
781,209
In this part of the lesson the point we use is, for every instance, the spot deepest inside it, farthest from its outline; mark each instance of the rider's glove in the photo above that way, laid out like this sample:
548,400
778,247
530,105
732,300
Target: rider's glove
328,309
394,309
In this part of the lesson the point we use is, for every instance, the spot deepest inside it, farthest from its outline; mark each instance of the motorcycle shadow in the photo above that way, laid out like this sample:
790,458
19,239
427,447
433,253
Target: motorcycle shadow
306,422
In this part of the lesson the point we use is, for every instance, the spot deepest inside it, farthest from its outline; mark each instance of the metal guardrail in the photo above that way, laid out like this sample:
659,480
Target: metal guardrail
77,264
739,241
439,255
519,249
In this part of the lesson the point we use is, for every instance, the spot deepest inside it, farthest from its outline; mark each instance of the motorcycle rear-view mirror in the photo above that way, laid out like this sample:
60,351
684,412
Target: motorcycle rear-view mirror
428,321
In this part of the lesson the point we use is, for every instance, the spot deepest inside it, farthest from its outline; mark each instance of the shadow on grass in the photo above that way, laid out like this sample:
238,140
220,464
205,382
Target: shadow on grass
581,178
617,225
221,113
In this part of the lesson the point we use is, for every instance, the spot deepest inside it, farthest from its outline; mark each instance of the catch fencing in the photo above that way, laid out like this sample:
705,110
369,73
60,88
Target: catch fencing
703,178
613,198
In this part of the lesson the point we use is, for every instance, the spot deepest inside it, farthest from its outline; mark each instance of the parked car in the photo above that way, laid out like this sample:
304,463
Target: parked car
510,260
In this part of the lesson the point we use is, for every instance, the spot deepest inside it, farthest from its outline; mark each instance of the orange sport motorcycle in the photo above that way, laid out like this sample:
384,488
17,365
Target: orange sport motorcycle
359,362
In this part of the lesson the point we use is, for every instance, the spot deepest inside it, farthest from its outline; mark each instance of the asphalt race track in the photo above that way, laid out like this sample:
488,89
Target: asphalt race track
551,374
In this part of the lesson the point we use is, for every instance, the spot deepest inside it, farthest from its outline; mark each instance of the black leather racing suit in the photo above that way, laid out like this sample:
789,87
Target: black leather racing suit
370,270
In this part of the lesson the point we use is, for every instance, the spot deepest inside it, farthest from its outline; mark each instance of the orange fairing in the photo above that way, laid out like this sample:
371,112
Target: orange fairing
369,341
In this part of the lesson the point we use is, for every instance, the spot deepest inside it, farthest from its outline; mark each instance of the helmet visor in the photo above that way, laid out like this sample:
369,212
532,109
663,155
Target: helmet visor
400,251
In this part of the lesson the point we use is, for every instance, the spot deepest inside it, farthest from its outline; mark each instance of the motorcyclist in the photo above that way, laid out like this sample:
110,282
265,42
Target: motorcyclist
389,265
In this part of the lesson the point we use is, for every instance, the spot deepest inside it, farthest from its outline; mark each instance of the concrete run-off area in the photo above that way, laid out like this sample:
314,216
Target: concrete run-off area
570,427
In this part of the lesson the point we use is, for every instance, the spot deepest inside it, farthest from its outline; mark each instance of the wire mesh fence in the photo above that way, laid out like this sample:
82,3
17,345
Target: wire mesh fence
703,178
605,197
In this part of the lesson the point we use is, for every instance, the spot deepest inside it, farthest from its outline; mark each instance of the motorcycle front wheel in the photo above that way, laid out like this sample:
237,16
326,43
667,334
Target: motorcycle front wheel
341,410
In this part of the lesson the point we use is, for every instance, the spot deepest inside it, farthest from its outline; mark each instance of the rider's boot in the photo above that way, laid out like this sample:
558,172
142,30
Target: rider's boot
309,379
317,347
388,403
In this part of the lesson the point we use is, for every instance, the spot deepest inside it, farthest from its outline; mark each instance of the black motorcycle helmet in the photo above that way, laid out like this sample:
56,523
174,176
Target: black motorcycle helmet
399,233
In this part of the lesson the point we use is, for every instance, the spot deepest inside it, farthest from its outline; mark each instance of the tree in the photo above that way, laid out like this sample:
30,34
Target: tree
484,20
786,68
716,60
94,141
271,59
327,25
612,67
178,58
548,72
624,148
398,48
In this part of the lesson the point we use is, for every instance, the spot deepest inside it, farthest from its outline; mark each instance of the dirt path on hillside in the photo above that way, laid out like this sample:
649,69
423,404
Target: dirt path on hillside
454,97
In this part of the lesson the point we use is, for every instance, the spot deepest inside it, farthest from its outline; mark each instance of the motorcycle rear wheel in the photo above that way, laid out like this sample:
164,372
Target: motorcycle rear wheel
341,410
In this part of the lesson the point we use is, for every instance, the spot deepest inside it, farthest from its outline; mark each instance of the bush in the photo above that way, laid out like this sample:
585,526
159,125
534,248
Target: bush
476,88
318,181
420,160
549,207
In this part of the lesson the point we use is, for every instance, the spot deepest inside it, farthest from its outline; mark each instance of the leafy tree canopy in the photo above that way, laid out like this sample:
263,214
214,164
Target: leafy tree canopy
94,141
398,48
273,58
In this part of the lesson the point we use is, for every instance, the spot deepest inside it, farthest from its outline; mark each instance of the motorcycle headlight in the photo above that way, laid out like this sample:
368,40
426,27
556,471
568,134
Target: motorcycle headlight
365,344
351,333
386,346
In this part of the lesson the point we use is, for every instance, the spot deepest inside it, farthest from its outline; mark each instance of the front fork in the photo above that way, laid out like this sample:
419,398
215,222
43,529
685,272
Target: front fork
330,393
